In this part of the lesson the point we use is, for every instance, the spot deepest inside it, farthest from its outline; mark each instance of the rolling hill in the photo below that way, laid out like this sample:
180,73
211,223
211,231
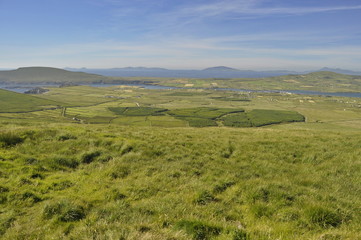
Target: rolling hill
16,102
326,81
47,75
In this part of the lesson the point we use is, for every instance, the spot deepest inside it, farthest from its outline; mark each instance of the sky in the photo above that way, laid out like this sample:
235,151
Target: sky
181,34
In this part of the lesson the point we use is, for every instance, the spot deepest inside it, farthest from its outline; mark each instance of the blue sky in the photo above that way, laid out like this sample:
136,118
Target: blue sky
181,34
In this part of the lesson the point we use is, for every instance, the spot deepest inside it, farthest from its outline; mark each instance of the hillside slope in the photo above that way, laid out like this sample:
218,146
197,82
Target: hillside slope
316,81
17,102
109,182
46,74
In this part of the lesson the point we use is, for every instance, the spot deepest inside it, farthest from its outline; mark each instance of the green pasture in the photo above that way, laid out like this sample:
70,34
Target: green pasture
16,102
95,181
316,81
186,107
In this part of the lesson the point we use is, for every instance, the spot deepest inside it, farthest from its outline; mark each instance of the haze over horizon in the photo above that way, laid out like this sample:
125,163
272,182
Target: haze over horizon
243,34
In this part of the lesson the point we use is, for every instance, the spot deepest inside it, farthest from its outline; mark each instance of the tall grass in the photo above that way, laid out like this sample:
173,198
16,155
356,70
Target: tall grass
111,182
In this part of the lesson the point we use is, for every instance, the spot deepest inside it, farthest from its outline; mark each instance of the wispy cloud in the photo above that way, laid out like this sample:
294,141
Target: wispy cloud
181,53
252,7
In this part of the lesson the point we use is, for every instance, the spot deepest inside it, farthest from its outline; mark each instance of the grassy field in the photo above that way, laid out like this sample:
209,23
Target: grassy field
126,163
317,81
15,102
110,182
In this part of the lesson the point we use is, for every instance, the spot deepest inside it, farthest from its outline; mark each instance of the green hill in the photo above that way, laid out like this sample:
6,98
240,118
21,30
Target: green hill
17,102
315,81
324,81
46,74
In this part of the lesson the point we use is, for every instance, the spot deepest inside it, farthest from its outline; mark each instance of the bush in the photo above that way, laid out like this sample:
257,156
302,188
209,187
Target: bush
199,230
10,139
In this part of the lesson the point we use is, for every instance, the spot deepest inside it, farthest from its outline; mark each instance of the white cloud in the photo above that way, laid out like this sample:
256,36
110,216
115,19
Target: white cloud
181,53
251,7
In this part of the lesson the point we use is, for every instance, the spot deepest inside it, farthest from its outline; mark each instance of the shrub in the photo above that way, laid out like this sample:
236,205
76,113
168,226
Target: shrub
199,230
9,139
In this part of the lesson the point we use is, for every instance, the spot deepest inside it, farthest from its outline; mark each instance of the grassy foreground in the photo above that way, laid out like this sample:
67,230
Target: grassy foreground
73,181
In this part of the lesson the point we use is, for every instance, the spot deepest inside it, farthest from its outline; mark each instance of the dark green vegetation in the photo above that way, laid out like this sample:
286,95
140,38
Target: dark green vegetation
137,111
16,102
206,117
260,117
67,181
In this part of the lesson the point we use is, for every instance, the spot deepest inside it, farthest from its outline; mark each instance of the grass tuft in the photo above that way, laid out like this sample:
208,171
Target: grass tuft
199,230
9,139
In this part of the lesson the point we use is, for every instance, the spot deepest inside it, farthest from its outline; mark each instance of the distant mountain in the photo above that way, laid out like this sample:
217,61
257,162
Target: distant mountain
212,72
118,69
220,68
47,75
339,70
84,75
